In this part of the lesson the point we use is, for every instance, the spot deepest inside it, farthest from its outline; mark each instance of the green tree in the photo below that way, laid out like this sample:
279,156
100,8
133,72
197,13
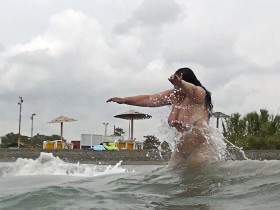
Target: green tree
10,140
165,146
254,130
235,129
252,123
151,142
38,139
118,131
275,126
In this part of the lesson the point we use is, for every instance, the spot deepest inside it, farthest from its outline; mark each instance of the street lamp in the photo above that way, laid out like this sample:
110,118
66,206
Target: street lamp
32,118
19,123
106,125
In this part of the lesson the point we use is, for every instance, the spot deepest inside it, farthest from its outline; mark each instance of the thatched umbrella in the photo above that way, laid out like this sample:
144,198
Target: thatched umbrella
61,120
133,115
219,115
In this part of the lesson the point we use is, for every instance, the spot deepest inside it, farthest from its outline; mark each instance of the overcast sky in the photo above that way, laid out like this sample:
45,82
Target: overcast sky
67,57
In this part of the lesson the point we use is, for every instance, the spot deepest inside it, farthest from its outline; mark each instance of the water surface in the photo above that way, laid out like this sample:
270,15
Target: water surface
50,183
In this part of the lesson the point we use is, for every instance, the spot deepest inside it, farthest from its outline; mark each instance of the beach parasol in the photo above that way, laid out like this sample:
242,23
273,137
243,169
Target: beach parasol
219,115
61,120
133,115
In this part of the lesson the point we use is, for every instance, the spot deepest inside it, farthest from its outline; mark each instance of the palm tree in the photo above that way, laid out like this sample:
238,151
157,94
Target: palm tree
253,131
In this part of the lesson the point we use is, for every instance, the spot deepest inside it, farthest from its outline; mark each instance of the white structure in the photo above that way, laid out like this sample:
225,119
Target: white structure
0,140
88,140
138,145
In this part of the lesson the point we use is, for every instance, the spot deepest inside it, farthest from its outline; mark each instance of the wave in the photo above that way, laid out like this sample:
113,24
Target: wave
47,164
246,184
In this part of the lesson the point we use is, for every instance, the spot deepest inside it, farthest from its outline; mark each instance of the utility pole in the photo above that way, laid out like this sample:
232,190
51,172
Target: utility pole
32,118
19,123
106,125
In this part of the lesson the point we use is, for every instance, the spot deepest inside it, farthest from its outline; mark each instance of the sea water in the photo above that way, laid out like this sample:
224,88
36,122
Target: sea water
50,183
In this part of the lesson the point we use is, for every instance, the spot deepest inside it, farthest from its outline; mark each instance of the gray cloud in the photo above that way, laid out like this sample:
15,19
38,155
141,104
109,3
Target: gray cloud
1,47
80,59
152,14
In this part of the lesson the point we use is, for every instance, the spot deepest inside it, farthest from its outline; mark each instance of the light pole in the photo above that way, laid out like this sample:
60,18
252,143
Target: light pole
106,125
32,118
19,123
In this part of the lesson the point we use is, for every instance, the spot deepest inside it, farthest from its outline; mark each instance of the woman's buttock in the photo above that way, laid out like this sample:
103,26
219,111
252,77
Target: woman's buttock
194,149
192,139
180,127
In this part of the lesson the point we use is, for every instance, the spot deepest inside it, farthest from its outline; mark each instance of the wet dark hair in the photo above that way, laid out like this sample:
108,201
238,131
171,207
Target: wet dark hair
190,77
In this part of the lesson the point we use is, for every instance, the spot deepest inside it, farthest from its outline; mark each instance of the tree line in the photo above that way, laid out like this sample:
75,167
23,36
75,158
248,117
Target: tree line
11,140
253,131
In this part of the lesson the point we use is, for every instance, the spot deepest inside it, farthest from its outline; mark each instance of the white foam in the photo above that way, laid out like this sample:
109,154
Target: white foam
47,164
214,137
169,134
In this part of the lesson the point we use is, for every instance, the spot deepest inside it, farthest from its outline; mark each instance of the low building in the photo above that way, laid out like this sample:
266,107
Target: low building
89,140
122,145
138,145
130,145
76,144
48,145
54,145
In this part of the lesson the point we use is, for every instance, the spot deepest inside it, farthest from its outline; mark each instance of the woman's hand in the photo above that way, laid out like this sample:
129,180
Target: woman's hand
176,80
116,100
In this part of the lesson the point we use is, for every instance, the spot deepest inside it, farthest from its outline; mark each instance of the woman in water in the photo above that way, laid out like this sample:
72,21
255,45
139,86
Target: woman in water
190,113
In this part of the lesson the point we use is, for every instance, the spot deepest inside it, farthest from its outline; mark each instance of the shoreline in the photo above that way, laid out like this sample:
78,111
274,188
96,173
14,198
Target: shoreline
143,157
106,162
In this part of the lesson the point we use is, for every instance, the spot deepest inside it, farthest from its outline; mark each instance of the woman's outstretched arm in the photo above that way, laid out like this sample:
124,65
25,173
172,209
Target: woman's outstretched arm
155,100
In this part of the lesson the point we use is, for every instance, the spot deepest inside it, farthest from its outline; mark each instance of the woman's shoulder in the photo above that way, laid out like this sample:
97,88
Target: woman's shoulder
199,94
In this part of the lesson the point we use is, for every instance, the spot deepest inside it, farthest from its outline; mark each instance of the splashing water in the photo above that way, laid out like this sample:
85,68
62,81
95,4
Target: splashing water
47,164
234,152
169,134
224,149
216,139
